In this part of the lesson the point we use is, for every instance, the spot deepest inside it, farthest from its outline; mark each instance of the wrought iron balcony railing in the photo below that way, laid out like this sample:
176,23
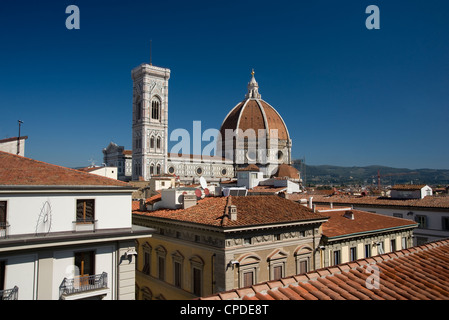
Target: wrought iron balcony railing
82,284
4,230
9,294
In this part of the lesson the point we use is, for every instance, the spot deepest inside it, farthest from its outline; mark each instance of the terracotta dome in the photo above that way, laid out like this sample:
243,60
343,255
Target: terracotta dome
254,113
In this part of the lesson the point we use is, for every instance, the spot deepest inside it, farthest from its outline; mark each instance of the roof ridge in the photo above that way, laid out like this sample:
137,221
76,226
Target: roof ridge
87,174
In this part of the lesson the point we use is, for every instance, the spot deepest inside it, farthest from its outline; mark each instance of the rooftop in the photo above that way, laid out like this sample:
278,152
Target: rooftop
339,225
426,202
16,170
251,211
417,273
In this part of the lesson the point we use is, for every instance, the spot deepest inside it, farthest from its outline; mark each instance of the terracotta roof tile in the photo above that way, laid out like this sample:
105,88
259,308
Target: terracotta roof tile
16,170
251,210
339,225
420,273
426,202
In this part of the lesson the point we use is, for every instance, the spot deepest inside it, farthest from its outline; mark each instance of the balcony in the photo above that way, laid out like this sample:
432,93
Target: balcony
83,287
9,294
4,230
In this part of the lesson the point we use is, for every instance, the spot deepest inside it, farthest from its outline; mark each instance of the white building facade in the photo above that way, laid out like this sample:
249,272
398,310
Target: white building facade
66,235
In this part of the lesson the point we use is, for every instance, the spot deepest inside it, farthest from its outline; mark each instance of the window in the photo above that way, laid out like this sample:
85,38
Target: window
146,259
353,253
303,266
422,221
199,171
177,274
158,143
2,214
367,250
155,109
277,272
152,142
197,281
393,245
380,248
161,253
152,169
178,262
277,237
224,172
404,242
196,267
337,257
171,170
139,108
444,222
248,278
85,266
158,169
161,267
85,211
247,241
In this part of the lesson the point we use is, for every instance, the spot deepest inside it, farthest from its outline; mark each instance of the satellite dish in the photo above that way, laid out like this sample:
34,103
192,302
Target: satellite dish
198,193
203,183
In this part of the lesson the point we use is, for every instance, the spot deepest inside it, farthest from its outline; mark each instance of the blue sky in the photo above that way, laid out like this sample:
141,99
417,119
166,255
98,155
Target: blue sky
349,96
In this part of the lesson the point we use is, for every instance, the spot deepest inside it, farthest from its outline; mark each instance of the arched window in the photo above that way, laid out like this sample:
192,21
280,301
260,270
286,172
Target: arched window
158,143
139,108
158,169
155,109
152,142
152,169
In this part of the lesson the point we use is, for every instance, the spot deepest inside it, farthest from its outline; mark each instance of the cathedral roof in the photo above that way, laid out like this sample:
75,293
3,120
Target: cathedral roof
254,113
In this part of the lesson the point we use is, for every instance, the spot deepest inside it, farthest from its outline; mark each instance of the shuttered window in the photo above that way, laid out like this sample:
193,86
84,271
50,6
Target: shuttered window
2,214
85,211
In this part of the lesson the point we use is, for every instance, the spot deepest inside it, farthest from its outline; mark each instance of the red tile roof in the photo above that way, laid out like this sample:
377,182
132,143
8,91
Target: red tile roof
427,202
285,170
418,273
20,171
339,225
251,210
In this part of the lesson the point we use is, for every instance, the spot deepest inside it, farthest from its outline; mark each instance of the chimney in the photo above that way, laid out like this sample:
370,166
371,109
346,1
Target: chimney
189,200
232,212
310,202
142,205
349,214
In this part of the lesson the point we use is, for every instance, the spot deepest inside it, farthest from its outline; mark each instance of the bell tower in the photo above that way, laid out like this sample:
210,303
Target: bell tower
149,121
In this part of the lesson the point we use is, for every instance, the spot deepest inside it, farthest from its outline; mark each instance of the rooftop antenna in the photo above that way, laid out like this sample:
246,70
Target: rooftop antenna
151,44
18,138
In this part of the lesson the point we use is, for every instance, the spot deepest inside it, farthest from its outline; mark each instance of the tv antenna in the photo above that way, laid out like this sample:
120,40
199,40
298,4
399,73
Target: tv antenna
18,138
151,53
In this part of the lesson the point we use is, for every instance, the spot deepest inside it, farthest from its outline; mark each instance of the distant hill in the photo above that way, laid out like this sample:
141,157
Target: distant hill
328,174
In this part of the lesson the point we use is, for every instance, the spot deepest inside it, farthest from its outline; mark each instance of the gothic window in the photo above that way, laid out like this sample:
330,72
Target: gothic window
139,107
152,142
158,169
155,109
158,143
152,169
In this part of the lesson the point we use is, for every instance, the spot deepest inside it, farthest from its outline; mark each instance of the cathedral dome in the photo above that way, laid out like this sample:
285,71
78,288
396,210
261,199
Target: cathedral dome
254,113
